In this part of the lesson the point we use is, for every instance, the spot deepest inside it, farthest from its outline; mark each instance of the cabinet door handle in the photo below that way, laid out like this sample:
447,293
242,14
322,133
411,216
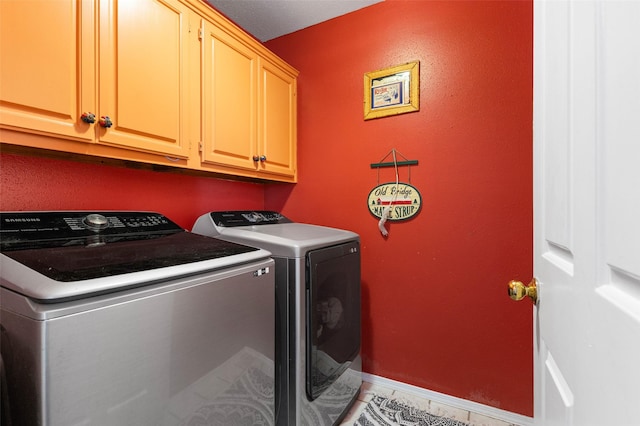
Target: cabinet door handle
256,158
105,121
263,158
88,117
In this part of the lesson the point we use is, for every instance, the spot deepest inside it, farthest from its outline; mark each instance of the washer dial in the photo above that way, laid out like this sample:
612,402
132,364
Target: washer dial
95,222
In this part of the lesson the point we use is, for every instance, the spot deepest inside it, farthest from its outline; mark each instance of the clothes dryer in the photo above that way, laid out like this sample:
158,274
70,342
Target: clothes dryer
317,271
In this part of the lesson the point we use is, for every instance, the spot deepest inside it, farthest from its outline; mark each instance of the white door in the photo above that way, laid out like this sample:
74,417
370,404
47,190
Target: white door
587,212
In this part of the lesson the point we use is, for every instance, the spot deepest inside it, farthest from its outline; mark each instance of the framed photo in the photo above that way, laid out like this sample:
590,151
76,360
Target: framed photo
392,91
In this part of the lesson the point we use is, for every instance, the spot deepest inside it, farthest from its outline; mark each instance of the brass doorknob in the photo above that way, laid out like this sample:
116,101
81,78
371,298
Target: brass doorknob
518,291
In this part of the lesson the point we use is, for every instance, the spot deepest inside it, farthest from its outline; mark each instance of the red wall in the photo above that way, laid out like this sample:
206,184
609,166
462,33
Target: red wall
32,183
435,309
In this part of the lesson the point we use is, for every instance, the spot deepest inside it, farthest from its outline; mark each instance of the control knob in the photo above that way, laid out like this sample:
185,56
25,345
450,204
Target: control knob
95,222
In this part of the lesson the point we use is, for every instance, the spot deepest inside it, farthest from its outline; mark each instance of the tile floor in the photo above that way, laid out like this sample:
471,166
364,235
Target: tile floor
432,407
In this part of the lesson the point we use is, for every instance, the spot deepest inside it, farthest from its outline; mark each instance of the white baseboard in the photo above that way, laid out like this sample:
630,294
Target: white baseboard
485,410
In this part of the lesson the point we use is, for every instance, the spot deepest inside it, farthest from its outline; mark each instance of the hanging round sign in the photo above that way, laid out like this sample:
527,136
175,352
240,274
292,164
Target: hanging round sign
403,199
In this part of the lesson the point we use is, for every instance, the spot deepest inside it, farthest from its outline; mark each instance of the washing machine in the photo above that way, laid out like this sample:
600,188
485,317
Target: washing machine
317,272
125,318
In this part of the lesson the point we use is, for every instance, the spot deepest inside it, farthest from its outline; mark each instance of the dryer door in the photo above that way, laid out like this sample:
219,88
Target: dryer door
333,310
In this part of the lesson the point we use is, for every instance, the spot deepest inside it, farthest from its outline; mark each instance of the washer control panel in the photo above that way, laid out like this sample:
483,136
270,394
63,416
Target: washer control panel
20,228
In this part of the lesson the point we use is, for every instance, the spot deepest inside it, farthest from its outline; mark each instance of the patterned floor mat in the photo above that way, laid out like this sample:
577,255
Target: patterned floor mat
248,402
383,411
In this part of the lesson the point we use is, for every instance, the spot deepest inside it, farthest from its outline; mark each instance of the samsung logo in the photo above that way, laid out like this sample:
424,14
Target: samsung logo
22,219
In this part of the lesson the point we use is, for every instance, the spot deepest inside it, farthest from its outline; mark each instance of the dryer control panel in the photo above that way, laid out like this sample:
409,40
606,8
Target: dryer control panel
233,218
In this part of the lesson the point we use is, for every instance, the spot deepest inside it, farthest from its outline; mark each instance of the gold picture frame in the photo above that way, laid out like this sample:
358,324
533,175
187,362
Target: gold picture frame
392,91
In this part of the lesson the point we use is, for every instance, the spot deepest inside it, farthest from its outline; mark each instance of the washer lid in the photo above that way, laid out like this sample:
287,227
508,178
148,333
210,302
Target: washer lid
60,255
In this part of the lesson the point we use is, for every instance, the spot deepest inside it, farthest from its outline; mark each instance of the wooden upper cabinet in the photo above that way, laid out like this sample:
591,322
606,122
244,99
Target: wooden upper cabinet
178,83
122,60
277,120
229,102
143,47
249,107
47,67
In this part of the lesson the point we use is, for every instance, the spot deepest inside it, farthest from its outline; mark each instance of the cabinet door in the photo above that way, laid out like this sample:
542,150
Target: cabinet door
277,121
47,67
143,75
229,101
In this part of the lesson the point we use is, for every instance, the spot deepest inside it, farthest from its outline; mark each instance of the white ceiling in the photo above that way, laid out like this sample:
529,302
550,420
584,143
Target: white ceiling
268,19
